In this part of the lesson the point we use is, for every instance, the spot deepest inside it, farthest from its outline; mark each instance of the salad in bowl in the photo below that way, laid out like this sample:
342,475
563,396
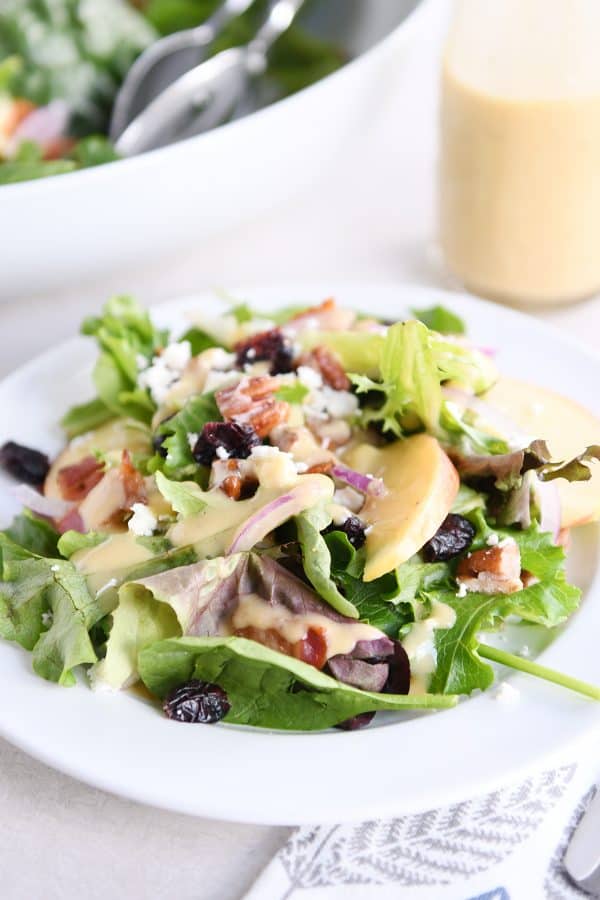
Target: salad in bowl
297,519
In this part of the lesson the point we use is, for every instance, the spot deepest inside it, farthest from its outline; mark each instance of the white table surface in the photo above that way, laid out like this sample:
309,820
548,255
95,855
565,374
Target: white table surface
370,218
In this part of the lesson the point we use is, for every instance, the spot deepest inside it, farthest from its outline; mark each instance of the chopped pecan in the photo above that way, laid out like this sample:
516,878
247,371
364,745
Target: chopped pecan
493,570
330,368
251,401
232,486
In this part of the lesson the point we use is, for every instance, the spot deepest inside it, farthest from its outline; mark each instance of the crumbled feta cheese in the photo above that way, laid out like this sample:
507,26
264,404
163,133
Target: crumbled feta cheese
176,356
143,521
462,590
47,619
506,542
217,379
158,378
192,439
165,370
264,450
222,453
492,539
340,404
506,694
309,377
350,498
250,353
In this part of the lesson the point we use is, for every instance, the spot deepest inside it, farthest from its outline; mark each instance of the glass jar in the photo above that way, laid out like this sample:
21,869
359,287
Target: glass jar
520,149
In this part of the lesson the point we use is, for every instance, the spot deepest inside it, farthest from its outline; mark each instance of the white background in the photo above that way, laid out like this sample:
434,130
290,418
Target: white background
371,217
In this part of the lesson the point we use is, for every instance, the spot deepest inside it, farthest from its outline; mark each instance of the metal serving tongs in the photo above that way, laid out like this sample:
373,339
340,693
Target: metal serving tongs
208,94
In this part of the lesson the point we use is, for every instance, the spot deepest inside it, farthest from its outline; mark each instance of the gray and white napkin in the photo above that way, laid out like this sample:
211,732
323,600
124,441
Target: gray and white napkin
506,845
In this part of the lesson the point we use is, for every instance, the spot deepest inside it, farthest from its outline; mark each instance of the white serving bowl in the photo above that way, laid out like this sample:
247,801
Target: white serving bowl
73,227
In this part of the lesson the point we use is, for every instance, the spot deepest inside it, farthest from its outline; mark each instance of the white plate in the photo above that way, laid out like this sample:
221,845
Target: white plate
122,744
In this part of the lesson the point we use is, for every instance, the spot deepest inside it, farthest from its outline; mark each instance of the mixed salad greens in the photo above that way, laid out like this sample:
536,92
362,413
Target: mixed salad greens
62,62
289,520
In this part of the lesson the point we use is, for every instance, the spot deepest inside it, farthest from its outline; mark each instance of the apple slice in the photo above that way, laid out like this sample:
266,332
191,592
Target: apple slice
112,437
568,429
422,485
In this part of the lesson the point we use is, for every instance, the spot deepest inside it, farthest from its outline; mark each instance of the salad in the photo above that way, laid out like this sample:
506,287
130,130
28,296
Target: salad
293,520
63,61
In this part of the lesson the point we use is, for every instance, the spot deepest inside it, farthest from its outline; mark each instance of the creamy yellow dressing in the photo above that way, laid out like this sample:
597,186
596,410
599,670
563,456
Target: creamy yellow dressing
341,637
107,560
520,151
419,644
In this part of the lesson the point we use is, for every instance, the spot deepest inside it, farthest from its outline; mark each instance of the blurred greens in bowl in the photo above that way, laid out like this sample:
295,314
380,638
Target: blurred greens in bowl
62,62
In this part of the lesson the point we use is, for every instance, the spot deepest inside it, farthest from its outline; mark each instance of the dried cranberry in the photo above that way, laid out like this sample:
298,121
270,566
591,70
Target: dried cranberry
269,346
454,535
197,701
356,722
23,463
353,528
398,681
236,438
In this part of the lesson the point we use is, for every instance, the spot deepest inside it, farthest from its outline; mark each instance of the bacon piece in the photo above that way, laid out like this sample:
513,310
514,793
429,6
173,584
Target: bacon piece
133,481
77,480
493,570
251,402
311,649
330,368
71,522
326,316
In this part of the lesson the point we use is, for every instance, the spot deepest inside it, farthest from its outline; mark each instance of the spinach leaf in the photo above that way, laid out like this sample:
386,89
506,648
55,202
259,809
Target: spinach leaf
265,688
316,560
86,417
441,319
199,340
35,535
548,602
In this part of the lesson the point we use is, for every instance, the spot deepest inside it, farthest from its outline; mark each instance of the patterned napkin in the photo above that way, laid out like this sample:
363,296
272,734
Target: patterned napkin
506,845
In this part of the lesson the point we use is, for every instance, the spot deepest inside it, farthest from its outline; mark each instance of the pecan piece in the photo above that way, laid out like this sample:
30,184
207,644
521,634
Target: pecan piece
493,570
252,402
330,368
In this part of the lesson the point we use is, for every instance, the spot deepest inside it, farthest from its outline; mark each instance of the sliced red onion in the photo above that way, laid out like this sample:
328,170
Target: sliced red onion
548,499
366,484
258,526
44,125
498,420
37,503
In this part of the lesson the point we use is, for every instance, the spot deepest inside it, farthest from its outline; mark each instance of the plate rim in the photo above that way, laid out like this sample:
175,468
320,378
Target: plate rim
368,742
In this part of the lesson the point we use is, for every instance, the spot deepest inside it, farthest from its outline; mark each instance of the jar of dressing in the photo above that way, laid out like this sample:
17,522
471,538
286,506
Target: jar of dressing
520,149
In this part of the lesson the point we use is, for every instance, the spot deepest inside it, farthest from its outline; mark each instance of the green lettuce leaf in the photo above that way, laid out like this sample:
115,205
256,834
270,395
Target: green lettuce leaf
292,393
550,602
440,319
199,340
186,498
72,541
125,334
179,463
66,644
35,535
265,688
316,560
86,417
